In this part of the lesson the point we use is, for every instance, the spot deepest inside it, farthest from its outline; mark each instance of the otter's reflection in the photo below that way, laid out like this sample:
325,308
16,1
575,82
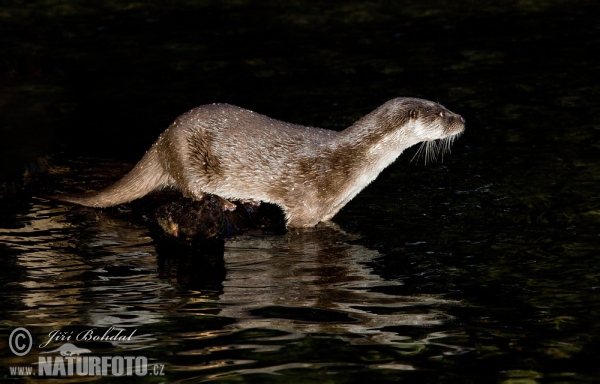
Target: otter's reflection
96,269
305,281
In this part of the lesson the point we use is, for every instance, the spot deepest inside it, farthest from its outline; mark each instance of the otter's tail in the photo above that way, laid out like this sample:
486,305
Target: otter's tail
144,178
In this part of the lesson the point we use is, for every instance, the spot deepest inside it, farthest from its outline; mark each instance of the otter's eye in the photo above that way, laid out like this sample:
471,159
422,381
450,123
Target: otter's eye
442,114
414,113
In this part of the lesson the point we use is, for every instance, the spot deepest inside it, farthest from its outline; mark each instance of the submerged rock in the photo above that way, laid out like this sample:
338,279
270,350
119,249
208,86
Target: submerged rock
211,218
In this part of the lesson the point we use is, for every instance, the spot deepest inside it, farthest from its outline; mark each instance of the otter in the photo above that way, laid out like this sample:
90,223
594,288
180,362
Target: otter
311,173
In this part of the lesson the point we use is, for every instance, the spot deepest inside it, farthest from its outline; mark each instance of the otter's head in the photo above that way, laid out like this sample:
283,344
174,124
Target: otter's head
427,122
424,119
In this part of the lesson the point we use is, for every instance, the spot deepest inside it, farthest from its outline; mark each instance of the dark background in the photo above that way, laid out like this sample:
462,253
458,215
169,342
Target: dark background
103,79
506,226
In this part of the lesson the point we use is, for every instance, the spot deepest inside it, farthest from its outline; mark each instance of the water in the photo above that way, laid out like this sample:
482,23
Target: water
269,296
483,267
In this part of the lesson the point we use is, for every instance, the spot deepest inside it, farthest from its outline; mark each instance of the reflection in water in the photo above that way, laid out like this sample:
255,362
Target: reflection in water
258,294
100,277
271,280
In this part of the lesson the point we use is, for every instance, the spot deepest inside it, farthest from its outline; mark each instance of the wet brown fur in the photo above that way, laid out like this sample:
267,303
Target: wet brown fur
309,172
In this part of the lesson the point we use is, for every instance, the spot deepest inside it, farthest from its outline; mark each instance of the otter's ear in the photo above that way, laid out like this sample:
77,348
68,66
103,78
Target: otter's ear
414,113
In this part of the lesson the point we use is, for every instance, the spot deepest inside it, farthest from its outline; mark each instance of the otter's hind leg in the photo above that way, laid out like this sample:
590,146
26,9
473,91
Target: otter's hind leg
226,205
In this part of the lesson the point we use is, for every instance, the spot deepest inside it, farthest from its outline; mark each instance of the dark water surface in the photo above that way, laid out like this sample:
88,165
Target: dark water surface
482,268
